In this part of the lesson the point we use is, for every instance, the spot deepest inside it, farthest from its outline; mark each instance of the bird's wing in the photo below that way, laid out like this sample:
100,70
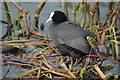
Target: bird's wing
78,43
73,35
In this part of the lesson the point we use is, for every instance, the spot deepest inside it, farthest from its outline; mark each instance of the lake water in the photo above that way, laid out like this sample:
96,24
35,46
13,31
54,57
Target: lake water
49,7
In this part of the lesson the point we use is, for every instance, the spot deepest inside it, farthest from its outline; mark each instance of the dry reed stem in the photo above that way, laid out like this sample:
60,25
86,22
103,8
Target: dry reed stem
51,68
43,57
109,11
38,74
19,32
24,15
5,22
83,20
17,63
54,72
103,38
36,33
76,7
47,77
116,62
27,44
107,29
99,72
64,8
9,20
46,64
26,24
97,13
74,12
17,41
114,17
37,12
118,42
18,7
68,71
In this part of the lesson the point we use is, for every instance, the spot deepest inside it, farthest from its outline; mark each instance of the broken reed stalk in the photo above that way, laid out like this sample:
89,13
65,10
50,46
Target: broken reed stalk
5,22
64,8
9,20
38,74
21,64
108,12
118,42
83,20
99,72
17,41
8,15
114,18
42,44
25,12
47,65
36,33
73,12
79,9
90,12
43,57
97,13
114,61
68,71
18,7
25,23
54,72
50,66
19,32
18,18
18,21
7,71
37,13
47,77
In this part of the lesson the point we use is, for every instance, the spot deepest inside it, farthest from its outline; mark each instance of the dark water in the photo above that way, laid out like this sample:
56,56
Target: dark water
49,7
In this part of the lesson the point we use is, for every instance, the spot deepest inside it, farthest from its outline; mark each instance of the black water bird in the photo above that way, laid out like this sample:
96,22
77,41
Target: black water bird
68,36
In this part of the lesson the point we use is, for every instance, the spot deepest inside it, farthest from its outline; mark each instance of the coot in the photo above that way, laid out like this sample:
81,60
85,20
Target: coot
68,36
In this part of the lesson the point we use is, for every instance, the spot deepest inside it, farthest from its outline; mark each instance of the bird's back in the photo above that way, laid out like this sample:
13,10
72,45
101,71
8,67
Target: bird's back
69,36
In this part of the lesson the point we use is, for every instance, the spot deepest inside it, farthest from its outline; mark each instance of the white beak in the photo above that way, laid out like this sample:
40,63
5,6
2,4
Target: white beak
49,19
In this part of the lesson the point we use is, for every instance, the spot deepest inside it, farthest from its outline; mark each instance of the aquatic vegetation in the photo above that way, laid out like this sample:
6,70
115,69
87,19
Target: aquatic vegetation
41,59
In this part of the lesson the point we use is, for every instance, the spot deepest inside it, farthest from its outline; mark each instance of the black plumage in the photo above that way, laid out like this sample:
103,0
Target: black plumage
68,36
